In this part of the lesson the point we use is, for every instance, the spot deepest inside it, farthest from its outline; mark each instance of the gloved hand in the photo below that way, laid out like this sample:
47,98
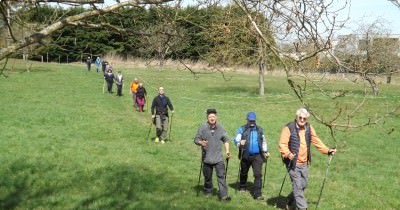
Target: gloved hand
242,142
266,155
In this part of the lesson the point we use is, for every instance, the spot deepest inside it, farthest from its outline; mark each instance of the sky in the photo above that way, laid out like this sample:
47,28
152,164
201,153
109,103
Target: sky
370,10
362,10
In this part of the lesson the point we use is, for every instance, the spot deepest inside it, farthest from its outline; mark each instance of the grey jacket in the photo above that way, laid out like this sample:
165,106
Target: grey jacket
216,138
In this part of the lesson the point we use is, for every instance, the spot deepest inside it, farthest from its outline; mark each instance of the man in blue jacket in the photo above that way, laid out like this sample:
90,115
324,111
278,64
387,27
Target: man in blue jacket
253,151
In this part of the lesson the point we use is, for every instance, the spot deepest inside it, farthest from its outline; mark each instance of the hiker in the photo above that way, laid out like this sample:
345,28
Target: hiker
133,89
159,113
104,66
109,77
141,97
88,63
119,82
211,136
98,63
294,146
253,151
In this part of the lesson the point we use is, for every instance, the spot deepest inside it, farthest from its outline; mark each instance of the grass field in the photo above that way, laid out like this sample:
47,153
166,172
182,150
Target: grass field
66,145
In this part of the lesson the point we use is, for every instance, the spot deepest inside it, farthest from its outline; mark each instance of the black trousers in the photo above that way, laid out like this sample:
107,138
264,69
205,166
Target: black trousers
109,86
220,171
256,163
119,90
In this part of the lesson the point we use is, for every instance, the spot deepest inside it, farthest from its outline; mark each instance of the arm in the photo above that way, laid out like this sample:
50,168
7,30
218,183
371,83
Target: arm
153,106
238,136
225,139
284,142
170,104
321,147
199,140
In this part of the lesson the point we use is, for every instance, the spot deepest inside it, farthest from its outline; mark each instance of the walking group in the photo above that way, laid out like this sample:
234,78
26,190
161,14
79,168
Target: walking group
294,146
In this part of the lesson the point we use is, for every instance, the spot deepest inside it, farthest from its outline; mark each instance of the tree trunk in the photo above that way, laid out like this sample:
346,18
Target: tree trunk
261,71
374,86
388,78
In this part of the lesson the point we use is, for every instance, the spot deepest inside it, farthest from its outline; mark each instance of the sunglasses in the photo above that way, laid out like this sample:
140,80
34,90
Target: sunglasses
303,118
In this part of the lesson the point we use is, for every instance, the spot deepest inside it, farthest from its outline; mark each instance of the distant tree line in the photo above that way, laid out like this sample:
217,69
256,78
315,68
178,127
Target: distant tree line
148,33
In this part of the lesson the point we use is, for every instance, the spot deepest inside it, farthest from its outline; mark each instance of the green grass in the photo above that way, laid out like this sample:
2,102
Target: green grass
66,145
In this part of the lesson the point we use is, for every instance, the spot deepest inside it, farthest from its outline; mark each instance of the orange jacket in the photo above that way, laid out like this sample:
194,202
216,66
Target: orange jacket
302,156
134,86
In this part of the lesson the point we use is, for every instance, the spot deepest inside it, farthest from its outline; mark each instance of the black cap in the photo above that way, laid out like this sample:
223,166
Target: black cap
211,111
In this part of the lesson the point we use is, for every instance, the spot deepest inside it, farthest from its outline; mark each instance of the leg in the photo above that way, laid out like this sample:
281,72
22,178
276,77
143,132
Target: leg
222,187
158,126
257,164
207,172
244,169
164,128
298,183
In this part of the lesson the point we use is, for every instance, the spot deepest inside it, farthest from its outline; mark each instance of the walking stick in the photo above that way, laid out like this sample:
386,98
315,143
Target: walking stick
265,171
170,128
226,167
284,179
148,134
104,83
201,167
240,166
323,183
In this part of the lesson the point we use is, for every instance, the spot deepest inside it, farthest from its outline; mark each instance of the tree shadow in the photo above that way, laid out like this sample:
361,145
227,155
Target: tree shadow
235,90
278,202
44,184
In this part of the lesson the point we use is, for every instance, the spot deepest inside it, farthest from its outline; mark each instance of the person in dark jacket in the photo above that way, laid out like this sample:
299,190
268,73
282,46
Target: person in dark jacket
88,63
109,77
253,151
119,81
295,148
141,97
212,136
159,113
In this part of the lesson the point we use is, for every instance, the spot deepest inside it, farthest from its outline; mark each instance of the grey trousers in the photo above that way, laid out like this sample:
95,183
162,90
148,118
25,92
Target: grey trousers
220,171
299,177
161,126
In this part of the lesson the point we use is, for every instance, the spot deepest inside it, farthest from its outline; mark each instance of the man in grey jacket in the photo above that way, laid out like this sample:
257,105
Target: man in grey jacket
211,136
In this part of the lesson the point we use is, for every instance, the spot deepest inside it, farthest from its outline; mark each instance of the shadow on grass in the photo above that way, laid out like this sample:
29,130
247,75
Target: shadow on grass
232,90
279,202
42,185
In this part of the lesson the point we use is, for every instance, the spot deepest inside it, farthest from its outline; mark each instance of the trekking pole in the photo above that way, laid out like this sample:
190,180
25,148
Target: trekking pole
284,179
201,167
226,167
323,183
148,134
104,84
170,128
265,171
240,167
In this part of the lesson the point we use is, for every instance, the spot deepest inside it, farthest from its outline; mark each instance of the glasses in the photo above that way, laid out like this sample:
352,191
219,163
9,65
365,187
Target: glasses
303,118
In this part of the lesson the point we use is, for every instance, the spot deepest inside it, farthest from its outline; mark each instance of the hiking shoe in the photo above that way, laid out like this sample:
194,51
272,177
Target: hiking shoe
156,140
162,141
242,190
260,198
226,199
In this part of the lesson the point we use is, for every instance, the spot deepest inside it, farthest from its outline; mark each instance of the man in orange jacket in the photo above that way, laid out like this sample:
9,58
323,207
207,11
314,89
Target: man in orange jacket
133,89
294,146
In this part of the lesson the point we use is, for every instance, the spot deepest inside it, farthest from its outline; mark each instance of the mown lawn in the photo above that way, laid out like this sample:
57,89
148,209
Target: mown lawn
66,145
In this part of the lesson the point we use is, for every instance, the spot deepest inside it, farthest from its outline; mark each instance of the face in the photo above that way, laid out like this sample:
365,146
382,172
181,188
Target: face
212,119
252,123
161,91
301,120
